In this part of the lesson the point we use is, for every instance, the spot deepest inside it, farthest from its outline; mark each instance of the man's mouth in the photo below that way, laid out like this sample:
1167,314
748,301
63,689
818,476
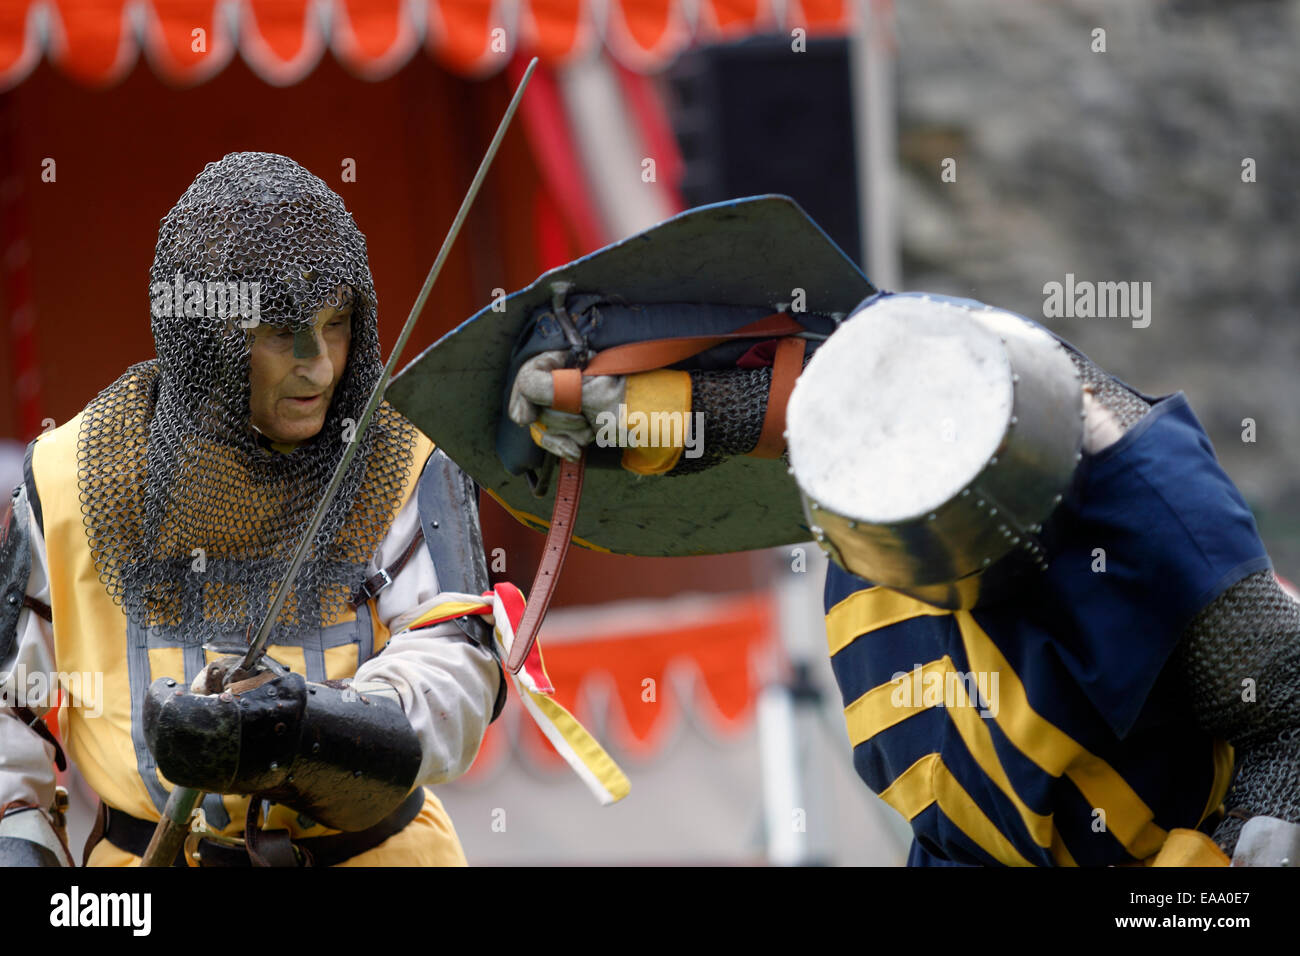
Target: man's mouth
305,401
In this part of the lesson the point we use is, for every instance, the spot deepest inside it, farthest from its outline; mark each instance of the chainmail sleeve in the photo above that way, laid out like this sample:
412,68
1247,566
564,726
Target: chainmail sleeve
734,404
1240,664
1127,406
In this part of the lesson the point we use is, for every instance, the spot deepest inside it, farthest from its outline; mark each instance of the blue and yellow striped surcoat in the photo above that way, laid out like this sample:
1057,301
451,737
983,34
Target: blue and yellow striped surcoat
1047,730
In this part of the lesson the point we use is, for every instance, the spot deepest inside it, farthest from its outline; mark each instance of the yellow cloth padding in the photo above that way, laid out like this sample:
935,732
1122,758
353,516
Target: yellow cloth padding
661,396
1189,848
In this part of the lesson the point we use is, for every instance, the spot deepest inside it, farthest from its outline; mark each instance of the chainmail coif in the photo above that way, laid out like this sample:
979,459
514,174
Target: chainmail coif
190,516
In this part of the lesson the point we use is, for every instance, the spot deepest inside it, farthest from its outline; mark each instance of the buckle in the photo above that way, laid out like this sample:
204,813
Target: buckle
200,831
371,586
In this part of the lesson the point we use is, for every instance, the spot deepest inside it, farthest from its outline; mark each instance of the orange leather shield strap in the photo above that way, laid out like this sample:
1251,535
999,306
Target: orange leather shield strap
786,367
568,491
567,383
660,353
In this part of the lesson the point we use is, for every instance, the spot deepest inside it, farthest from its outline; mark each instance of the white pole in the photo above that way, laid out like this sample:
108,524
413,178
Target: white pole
796,780
871,65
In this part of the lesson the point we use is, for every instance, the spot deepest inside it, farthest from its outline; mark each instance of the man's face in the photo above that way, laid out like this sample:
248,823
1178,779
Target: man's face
289,396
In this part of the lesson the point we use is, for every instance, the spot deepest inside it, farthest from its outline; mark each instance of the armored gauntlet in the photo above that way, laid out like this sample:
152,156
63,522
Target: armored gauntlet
344,759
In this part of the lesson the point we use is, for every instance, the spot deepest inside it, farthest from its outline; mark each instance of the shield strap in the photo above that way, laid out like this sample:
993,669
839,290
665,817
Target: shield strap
568,491
786,367
661,353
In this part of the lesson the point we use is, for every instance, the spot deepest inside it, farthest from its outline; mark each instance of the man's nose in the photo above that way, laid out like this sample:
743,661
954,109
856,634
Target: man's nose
313,361
308,343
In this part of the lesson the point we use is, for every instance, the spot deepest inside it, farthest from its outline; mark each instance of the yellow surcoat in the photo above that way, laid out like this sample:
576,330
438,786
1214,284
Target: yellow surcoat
93,635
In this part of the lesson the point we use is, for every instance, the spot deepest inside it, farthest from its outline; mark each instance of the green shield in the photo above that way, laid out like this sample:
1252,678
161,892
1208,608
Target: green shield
746,252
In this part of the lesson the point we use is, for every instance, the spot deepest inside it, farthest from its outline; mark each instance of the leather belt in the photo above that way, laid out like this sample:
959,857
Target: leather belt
568,492
132,835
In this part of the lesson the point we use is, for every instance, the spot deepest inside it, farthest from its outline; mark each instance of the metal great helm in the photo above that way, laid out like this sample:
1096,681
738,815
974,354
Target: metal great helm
931,439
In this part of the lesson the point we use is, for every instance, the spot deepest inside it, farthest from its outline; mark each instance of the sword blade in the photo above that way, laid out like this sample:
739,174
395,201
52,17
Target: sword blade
258,647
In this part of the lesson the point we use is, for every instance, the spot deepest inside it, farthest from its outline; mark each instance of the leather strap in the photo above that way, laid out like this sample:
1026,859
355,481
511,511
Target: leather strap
568,492
568,390
96,832
132,835
60,829
18,805
269,847
40,608
28,717
372,585
786,368
660,353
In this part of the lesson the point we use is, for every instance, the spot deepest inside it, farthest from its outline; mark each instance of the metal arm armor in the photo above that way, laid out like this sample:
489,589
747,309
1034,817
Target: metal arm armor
342,758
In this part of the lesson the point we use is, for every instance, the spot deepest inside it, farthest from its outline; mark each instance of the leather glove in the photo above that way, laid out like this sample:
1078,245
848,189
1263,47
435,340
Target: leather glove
563,434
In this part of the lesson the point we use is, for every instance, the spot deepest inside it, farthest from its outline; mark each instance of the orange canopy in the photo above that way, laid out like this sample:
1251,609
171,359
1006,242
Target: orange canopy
189,41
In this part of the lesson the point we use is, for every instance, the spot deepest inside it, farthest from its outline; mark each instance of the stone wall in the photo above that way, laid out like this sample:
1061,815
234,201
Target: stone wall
1124,165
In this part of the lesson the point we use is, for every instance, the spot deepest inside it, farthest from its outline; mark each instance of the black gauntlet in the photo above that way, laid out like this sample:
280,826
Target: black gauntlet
342,758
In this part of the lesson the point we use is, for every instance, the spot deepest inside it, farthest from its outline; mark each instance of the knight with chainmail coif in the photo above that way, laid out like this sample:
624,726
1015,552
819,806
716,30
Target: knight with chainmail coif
1057,634
152,530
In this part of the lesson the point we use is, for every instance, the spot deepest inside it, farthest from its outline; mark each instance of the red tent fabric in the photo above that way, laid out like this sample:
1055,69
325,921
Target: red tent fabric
109,108
189,41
